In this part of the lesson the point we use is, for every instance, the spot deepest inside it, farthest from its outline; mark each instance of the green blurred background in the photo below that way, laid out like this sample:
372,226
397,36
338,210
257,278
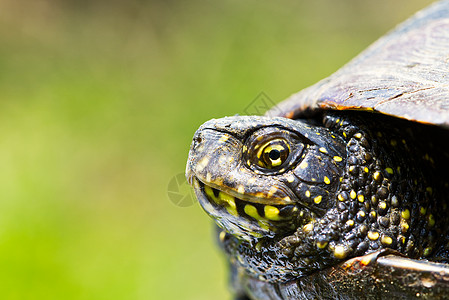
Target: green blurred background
98,103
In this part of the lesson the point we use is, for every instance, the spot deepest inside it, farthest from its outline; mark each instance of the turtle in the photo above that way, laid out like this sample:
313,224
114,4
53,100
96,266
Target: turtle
341,191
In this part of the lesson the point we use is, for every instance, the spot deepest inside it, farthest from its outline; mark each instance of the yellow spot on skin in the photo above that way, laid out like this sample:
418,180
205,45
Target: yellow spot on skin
352,194
383,205
290,178
366,169
317,133
338,120
422,211
326,180
317,199
404,227
340,197
361,198
271,212
344,134
389,170
224,138
323,150
338,158
351,168
431,220
405,214
241,189
245,148
362,214
251,211
358,135
373,214
321,245
350,223
427,251
376,175
264,225
303,165
307,193
373,235
307,227
386,240
393,143
340,252
272,190
222,235
287,199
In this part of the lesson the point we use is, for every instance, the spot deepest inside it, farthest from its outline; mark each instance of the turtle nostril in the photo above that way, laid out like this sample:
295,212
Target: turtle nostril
199,139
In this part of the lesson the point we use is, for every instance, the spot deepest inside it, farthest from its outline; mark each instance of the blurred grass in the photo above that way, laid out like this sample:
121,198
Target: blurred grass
98,103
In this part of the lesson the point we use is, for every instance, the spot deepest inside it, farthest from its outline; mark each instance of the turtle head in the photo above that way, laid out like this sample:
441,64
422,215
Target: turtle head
265,177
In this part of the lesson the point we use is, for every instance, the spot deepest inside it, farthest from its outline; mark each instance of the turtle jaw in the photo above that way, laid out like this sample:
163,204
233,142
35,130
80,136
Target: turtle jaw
245,219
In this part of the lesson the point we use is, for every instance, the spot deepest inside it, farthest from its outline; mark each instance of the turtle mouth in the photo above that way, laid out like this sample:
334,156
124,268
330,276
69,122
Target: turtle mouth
245,217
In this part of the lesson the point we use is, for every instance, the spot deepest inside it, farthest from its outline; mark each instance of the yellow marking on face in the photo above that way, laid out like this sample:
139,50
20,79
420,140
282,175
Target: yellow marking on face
260,195
303,165
393,143
361,198
431,220
307,193
323,150
366,169
422,211
251,211
338,120
351,168
264,225
222,235
358,135
338,158
373,235
383,205
321,245
272,190
290,178
287,199
223,139
340,252
317,199
376,175
389,170
245,148
228,199
350,223
386,240
405,214
317,133
271,212
340,197
427,251
373,214
308,227
352,194
344,134
362,214
333,136
241,189
326,180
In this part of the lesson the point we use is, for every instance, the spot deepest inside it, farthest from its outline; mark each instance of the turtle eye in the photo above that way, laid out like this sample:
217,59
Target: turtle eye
273,153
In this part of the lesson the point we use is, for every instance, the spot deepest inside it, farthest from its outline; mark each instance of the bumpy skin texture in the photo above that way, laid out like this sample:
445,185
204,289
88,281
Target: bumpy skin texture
386,188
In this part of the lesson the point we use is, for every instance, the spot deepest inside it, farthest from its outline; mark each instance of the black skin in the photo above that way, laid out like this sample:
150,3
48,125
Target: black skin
393,193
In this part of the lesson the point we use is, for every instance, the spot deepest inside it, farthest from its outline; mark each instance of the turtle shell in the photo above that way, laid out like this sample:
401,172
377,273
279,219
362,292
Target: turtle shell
403,74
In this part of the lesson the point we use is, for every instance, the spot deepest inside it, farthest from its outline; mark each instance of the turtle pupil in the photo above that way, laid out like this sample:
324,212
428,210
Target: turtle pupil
274,154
